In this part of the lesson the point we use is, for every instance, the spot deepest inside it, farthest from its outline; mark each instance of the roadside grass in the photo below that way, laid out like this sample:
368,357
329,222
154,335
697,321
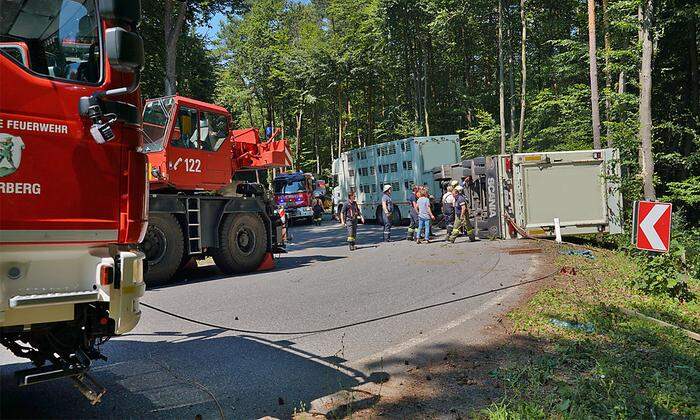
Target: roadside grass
594,361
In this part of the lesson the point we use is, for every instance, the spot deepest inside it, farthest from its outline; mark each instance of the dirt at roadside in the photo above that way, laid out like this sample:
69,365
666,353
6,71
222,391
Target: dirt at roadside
460,383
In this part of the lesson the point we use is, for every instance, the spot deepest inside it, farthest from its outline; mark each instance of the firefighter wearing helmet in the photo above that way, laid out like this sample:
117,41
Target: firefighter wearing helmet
461,216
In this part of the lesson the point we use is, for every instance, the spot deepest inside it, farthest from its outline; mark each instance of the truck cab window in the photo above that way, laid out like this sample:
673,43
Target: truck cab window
213,130
187,132
155,121
61,36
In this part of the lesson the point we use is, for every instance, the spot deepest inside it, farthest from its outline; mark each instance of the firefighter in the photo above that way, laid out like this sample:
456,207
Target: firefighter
317,206
413,213
448,208
461,216
348,217
387,211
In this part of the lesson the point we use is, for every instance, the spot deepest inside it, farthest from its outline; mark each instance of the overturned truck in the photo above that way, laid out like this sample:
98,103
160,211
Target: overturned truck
521,195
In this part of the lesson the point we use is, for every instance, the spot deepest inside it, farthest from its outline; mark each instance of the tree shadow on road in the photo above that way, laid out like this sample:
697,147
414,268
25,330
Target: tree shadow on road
211,272
249,377
625,368
334,235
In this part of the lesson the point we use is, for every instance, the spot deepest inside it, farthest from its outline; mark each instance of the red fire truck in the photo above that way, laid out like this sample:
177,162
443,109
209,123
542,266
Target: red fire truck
197,207
295,191
72,182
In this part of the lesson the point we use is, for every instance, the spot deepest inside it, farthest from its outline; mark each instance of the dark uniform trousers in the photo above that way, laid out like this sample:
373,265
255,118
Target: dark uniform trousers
387,226
351,227
462,223
410,233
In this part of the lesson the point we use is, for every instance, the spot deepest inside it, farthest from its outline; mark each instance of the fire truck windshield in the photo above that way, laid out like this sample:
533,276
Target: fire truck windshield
60,36
289,186
156,114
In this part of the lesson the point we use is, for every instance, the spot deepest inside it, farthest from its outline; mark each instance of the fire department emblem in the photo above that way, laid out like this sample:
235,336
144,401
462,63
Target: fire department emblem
10,153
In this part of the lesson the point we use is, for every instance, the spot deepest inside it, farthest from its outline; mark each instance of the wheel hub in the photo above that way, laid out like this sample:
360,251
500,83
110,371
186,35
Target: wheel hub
245,240
154,245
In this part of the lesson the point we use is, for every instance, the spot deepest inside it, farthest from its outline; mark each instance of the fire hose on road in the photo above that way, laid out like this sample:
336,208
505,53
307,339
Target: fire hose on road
352,324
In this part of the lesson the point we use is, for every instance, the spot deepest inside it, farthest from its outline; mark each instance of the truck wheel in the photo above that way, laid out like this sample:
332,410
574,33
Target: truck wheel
164,247
379,216
243,242
396,217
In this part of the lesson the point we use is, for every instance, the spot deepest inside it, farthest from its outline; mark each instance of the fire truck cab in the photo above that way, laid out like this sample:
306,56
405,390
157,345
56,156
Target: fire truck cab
294,191
198,207
72,182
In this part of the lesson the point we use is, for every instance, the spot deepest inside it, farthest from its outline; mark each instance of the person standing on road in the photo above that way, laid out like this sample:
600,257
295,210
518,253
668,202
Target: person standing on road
448,208
387,212
461,216
318,209
425,215
348,218
413,214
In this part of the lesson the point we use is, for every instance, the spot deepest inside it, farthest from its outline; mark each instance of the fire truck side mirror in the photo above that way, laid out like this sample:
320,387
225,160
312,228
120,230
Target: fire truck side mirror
124,50
122,11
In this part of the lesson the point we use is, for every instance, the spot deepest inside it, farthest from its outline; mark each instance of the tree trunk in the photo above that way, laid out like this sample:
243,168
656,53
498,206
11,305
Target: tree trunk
317,153
501,88
608,75
369,137
340,119
593,66
511,86
297,158
645,123
693,62
425,99
621,82
172,28
523,67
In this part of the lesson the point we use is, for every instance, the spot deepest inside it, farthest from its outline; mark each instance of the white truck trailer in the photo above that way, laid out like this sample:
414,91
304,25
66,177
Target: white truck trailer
521,194
399,163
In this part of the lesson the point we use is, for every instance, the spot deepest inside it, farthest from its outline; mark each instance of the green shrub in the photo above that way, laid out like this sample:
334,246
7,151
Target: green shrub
664,274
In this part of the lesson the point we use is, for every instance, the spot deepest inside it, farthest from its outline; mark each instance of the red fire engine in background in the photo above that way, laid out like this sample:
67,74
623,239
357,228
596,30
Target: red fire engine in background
198,207
294,191
72,182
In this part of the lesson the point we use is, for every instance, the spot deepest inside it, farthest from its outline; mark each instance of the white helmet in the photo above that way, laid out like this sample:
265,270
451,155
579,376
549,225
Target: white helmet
454,183
459,188
387,187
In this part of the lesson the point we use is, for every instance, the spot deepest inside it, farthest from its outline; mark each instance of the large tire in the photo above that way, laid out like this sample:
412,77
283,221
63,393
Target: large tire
379,216
164,246
243,243
396,217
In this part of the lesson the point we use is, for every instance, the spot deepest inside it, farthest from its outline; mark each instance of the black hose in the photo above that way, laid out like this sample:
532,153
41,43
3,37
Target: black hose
353,324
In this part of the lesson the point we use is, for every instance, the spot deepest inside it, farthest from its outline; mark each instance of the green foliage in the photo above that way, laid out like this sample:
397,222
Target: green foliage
560,121
197,70
626,368
686,191
483,139
662,274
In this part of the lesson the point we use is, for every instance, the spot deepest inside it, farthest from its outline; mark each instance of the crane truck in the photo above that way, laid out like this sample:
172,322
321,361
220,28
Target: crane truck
73,183
198,205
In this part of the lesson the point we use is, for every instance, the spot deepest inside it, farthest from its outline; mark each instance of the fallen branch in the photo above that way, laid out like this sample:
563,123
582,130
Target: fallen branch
695,336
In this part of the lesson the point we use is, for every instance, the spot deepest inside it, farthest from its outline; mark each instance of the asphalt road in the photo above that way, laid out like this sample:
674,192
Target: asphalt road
172,368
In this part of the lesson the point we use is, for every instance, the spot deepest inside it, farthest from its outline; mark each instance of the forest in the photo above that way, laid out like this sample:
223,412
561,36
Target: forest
527,75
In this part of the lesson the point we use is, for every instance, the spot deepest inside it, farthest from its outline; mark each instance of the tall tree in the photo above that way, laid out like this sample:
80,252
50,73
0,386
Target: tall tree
593,70
645,123
523,69
606,69
693,64
175,14
501,87
511,86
